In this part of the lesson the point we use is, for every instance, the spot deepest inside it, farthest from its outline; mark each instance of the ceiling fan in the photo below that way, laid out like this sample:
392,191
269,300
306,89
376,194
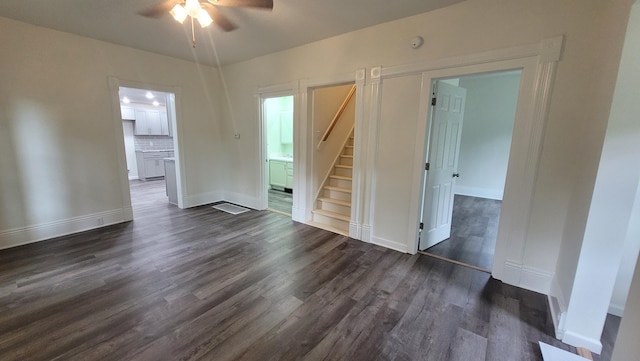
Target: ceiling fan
204,11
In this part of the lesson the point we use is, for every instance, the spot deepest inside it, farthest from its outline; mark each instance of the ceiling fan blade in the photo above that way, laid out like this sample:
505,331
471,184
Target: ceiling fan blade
222,21
160,9
261,4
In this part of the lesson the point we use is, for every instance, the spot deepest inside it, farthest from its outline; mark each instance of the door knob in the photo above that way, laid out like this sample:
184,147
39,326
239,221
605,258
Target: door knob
456,175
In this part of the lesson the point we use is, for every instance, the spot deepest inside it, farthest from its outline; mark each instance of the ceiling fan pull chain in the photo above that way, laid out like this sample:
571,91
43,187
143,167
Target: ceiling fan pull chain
193,34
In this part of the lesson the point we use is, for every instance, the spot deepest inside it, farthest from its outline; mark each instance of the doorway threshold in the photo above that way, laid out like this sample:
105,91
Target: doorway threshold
279,212
455,262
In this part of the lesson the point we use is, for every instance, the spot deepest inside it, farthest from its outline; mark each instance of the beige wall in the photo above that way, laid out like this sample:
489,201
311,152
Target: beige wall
58,139
578,112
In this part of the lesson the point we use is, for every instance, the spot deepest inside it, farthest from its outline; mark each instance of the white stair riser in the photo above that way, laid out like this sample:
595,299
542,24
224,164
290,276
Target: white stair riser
346,161
333,207
336,223
345,172
337,195
347,151
342,183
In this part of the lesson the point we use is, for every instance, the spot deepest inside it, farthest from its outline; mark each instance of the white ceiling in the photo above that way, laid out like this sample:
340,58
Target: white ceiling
291,23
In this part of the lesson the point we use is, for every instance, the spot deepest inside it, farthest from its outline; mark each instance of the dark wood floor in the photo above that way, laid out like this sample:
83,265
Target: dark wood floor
201,284
474,228
280,201
149,193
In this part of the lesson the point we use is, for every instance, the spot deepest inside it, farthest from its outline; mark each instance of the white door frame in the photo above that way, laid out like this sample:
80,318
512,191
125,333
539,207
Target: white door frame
307,144
538,63
261,94
114,85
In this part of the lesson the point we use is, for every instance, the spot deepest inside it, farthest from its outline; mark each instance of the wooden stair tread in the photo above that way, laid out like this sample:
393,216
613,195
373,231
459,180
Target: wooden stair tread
339,189
330,214
334,176
346,155
335,201
344,166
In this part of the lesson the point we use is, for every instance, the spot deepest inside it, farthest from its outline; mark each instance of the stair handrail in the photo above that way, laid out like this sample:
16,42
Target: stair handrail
337,116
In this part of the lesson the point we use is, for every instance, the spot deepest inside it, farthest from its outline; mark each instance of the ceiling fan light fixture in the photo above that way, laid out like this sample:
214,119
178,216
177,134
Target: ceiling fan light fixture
179,13
204,18
193,7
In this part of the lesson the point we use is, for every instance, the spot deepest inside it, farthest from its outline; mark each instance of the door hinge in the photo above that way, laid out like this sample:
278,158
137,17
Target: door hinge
426,166
421,226
433,102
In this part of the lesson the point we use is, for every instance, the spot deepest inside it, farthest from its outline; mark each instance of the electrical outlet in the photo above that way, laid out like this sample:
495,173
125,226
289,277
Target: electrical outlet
237,135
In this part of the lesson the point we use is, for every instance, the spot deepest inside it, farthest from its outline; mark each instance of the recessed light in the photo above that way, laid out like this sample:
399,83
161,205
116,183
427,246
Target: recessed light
155,102
126,100
149,95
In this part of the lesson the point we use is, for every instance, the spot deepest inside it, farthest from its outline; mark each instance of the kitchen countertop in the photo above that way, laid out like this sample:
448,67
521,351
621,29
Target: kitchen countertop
154,151
282,159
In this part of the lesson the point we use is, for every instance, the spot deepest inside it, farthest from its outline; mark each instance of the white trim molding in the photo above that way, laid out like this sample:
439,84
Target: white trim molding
44,231
396,246
359,160
305,145
195,200
579,340
538,64
558,307
260,95
371,145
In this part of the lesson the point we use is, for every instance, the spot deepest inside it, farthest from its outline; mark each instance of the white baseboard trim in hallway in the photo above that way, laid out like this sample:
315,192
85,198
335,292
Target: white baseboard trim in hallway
43,231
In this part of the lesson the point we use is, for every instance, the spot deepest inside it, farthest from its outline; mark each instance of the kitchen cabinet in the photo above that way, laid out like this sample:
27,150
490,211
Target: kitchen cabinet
127,113
164,123
151,122
289,182
151,164
280,174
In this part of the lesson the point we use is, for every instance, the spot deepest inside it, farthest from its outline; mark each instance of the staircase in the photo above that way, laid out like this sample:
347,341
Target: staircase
332,210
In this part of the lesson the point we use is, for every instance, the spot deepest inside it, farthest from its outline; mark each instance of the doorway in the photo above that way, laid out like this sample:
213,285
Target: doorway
468,154
148,122
277,118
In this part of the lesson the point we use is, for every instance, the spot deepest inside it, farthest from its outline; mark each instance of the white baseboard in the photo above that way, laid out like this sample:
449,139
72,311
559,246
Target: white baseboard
366,233
616,310
355,230
242,200
577,340
529,278
396,246
202,199
43,231
298,215
558,307
479,192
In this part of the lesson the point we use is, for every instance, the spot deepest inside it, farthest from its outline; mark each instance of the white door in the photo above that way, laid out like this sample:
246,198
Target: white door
444,146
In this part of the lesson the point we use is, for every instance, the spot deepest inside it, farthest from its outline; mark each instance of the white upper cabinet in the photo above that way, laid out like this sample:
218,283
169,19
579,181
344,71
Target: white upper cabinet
151,122
127,113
